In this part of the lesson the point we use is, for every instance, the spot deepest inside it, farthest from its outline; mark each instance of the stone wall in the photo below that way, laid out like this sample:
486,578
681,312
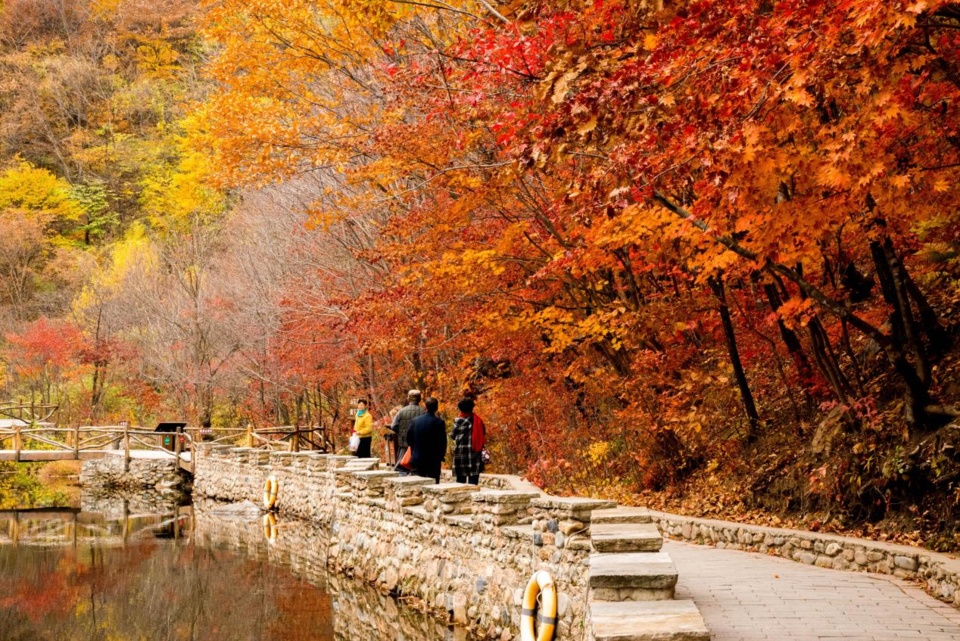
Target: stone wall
459,551
360,613
940,573
108,473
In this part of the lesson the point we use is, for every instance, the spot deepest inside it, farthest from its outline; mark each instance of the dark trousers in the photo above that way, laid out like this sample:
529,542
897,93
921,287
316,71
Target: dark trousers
363,451
474,479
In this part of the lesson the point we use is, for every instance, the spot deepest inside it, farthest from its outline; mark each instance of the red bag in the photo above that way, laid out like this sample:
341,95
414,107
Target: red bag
405,459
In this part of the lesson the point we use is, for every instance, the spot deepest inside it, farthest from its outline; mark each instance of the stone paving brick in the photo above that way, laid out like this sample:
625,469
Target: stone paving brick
754,597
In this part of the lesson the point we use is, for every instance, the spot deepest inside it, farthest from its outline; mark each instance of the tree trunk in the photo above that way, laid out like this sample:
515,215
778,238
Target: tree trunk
750,408
790,338
905,338
893,283
827,360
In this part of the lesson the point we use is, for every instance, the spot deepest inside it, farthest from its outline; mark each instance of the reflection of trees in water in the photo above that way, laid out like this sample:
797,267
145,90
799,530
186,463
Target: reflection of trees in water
154,592
229,583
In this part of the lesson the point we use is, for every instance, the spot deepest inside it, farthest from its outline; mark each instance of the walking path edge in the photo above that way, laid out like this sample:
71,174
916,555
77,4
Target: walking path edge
939,573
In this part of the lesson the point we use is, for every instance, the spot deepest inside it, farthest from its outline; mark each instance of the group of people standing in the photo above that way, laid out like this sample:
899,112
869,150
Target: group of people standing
421,438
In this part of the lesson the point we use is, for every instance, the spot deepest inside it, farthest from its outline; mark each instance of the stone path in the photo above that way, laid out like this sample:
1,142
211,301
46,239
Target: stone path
754,597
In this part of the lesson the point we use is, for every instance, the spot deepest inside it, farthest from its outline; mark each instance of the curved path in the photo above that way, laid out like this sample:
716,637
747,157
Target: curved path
753,597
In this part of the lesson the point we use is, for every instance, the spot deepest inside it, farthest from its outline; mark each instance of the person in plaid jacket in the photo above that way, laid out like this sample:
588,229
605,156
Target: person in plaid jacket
469,438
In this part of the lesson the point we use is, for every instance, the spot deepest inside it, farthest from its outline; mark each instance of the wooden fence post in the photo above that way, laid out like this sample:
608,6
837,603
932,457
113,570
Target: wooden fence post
126,448
16,442
76,442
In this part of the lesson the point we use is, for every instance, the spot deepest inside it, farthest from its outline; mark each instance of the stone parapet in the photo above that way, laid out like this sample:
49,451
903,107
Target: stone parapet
464,552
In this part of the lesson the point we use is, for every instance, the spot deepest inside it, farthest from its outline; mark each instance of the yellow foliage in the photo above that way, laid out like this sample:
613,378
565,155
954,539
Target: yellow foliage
135,251
37,193
175,197
598,451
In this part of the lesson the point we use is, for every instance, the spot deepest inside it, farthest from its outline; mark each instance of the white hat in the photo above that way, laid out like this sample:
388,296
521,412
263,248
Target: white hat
414,392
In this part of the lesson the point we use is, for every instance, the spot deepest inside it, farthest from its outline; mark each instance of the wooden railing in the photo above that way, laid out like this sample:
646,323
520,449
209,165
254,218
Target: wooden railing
289,438
80,439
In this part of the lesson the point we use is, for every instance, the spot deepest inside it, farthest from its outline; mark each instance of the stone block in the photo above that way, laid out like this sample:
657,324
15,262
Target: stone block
908,563
569,526
621,514
626,537
409,481
678,620
456,491
577,508
504,497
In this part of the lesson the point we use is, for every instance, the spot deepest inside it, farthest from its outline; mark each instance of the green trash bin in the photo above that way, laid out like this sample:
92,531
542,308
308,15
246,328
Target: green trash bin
170,431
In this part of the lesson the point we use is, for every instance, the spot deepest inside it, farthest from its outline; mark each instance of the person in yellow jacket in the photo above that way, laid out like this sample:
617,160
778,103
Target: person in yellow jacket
363,427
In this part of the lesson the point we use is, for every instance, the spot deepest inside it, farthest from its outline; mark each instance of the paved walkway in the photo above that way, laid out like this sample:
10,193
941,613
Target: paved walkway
755,597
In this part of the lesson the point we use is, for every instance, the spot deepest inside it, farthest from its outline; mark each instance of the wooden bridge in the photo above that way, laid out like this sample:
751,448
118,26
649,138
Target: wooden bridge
23,442
37,442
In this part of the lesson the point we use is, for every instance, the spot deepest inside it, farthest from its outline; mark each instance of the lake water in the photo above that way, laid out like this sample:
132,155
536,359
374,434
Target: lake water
118,574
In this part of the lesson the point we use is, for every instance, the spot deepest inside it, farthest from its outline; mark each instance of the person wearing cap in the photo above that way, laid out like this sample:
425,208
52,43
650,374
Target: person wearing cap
403,419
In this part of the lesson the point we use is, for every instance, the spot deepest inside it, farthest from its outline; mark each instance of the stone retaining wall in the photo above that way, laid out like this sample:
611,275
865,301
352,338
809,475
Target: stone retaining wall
940,573
458,550
360,613
160,474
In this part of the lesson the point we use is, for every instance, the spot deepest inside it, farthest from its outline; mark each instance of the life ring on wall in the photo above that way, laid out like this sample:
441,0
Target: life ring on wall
541,586
270,528
270,489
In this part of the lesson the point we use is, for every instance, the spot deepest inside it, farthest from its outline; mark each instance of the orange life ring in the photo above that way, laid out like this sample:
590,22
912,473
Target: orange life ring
540,587
270,489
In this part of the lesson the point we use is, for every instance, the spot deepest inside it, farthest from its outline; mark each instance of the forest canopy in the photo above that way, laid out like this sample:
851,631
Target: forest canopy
663,243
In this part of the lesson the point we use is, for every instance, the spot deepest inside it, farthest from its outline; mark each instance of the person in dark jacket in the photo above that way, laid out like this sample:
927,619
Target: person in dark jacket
427,438
404,419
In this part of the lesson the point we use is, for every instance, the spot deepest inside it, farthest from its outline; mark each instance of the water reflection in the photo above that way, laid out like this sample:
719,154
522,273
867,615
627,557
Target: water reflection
361,613
74,527
184,574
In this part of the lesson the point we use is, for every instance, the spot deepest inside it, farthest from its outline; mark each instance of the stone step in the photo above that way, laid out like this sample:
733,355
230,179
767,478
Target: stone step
677,620
633,576
625,537
621,514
